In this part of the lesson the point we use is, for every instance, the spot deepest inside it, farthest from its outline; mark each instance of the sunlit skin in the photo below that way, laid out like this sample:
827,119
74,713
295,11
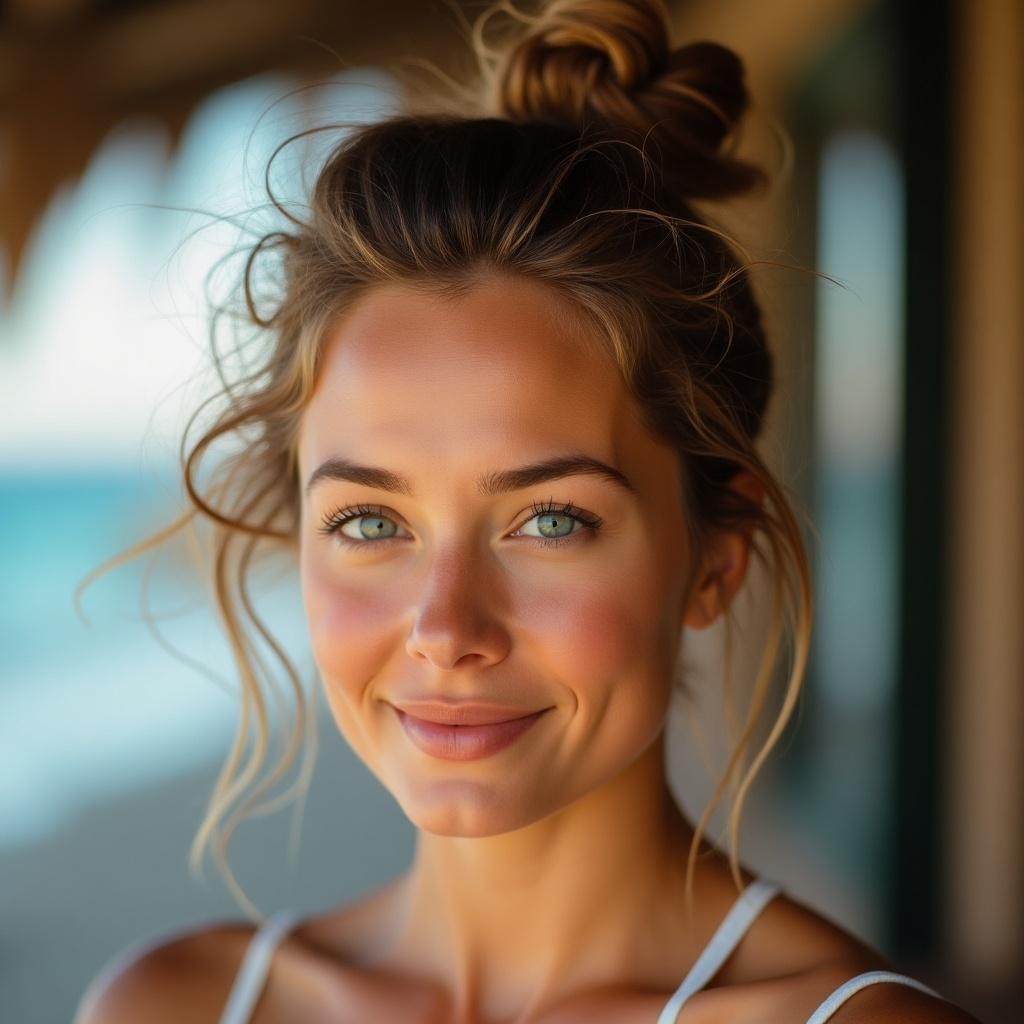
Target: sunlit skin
556,865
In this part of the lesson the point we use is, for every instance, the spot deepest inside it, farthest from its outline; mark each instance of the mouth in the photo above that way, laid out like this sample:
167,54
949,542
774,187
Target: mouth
465,742
462,712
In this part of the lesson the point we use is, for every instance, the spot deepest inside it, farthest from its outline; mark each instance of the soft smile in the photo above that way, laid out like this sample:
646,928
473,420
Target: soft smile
464,742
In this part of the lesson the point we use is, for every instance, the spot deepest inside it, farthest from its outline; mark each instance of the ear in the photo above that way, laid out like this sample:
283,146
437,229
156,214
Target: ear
724,564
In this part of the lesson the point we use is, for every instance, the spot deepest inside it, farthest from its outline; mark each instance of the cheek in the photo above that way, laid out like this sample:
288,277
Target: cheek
583,629
605,635
351,628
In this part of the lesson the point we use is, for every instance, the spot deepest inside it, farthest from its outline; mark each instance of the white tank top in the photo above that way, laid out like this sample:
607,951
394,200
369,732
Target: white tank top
252,974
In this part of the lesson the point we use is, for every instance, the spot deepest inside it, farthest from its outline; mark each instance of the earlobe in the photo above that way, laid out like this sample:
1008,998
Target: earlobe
726,565
704,606
719,584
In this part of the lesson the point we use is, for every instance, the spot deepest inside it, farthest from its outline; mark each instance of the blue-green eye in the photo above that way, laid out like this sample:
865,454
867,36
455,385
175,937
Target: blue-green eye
556,524
374,526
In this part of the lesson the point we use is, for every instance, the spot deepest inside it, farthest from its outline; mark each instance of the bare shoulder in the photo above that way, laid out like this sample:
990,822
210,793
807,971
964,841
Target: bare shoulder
883,1002
187,976
796,957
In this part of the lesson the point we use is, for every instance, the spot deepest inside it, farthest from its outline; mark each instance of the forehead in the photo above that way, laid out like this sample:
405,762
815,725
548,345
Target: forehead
503,367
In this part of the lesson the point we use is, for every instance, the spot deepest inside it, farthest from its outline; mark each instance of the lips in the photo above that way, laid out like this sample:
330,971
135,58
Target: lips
462,712
465,742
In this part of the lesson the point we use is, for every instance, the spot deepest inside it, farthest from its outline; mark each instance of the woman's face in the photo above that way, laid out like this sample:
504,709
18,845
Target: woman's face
452,587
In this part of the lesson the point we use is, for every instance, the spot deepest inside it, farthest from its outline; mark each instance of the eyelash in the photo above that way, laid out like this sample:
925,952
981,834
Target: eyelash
333,522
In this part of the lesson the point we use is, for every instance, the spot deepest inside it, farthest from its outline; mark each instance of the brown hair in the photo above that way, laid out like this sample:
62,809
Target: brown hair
573,160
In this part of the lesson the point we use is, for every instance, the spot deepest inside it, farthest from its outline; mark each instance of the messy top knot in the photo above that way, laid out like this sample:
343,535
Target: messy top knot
610,62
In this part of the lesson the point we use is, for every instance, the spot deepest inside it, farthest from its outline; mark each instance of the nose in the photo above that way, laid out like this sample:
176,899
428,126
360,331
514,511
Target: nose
457,620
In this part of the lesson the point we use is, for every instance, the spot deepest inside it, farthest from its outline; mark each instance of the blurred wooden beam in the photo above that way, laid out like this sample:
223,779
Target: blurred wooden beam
62,90
44,14
986,869
777,40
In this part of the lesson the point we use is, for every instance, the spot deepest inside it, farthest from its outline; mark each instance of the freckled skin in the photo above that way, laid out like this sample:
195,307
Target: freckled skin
547,865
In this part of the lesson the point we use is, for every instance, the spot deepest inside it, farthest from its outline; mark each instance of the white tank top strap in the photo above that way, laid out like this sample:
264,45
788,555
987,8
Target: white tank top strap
252,974
839,996
726,938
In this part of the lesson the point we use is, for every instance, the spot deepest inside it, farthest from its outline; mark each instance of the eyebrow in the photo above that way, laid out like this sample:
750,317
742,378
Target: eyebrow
490,484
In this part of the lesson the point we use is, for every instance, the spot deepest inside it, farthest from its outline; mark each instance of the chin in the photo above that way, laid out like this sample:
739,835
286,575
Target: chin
468,808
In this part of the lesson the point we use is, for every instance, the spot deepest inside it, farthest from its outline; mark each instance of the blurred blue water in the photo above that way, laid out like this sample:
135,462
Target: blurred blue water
87,710
53,530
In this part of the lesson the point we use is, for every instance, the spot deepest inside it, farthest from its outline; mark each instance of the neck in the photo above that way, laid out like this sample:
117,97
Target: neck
590,895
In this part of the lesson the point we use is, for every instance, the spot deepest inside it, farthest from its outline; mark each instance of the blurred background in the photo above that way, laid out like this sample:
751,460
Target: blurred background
133,139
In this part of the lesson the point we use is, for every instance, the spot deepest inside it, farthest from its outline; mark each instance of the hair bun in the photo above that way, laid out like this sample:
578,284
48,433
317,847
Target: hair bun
610,61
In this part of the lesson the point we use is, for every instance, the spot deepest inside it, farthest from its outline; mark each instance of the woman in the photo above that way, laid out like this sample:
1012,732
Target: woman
506,421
